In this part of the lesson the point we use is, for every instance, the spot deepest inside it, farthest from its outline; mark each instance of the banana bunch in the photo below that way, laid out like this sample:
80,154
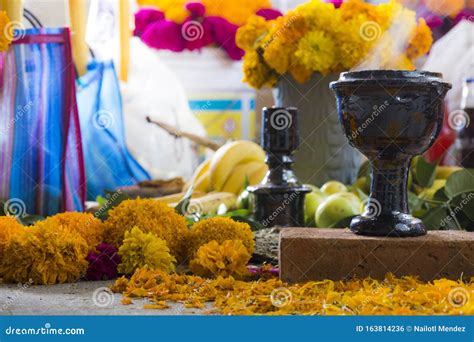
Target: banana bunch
229,167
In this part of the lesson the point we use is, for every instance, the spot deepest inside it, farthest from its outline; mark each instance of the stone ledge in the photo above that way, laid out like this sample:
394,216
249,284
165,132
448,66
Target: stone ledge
315,254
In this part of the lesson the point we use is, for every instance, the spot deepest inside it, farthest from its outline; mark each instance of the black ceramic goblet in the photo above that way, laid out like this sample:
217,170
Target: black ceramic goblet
390,116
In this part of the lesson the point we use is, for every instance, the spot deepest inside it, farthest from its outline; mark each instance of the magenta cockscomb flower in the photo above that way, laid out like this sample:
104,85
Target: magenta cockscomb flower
145,17
197,34
224,33
269,13
164,34
196,8
103,263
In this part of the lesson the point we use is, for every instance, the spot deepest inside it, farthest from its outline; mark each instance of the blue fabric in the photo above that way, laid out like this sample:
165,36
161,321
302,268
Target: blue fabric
41,164
108,162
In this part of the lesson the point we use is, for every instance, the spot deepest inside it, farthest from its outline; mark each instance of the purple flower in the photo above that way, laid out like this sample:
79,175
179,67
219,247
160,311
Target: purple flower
164,34
103,264
144,18
196,8
466,13
224,33
433,20
269,13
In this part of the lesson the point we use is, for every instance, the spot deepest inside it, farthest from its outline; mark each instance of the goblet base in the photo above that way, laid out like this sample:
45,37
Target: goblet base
393,225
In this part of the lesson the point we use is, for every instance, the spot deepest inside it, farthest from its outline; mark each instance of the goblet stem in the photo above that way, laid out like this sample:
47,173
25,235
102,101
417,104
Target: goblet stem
389,185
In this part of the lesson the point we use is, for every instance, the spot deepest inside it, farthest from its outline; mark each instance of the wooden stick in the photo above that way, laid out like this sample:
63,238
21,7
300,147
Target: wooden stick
14,9
80,51
180,134
125,35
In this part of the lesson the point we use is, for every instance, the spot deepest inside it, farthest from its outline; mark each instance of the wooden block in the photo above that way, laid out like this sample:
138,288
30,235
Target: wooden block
315,254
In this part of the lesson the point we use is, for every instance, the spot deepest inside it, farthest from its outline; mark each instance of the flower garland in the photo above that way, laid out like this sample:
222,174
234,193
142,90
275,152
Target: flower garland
318,37
179,26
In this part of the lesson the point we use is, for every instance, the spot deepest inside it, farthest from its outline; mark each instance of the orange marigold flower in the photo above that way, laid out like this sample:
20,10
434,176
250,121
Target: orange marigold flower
85,224
150,216
227,259
48,253
219,229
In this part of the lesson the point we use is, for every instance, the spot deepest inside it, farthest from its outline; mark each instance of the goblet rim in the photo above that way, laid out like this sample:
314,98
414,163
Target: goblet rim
390,77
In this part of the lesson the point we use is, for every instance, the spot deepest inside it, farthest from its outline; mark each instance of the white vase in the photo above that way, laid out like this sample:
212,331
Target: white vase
324,153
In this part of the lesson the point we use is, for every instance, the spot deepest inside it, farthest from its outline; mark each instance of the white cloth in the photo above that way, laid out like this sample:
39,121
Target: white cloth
453,55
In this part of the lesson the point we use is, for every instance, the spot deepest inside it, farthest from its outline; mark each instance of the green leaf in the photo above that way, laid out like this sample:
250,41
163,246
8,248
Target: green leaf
414,202
425,172
459,182
111,200
440,195
464,203
439,218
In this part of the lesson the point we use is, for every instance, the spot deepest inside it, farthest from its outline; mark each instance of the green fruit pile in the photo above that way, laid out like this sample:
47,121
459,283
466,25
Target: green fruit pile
328,206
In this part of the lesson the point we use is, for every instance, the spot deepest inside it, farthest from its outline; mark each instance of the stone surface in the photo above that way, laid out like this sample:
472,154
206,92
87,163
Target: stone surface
266,246
314,254
76,299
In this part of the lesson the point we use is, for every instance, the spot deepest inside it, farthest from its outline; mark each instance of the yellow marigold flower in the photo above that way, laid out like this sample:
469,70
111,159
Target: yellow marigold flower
300,72
150,216
420,42
316,51
227,259
256,72
141,249
219,229
177,14
6,37
248,34
236,12
47,253
85,224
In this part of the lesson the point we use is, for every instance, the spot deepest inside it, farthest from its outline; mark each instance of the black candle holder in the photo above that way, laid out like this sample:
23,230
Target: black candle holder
390,116
279,199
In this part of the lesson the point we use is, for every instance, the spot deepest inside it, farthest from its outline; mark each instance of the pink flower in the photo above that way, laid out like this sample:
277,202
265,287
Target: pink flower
269,13
336,3
196,8
164,34
144,18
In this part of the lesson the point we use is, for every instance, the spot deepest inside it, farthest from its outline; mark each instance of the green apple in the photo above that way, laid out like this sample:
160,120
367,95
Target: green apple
312,201
333,187
335,208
